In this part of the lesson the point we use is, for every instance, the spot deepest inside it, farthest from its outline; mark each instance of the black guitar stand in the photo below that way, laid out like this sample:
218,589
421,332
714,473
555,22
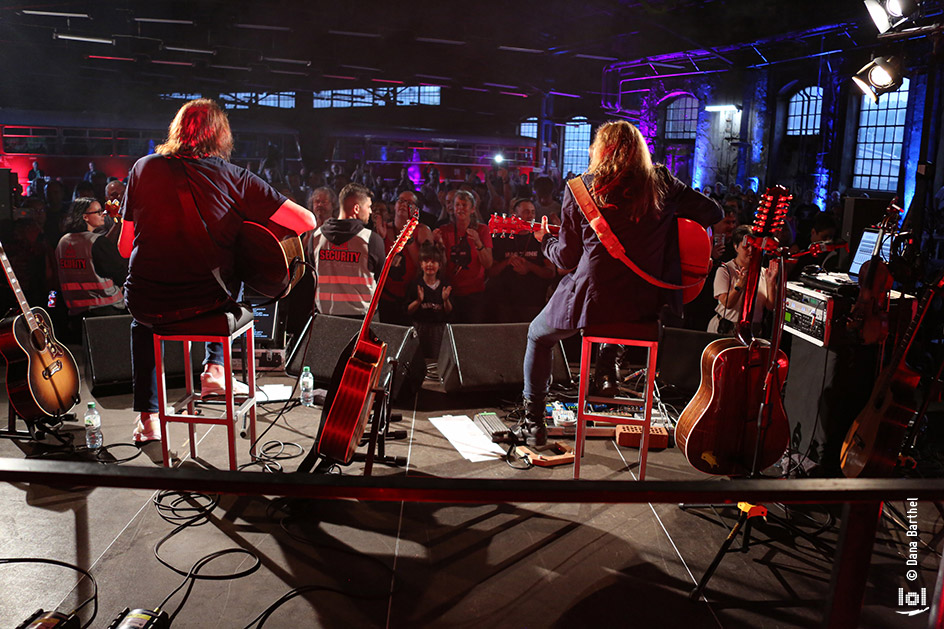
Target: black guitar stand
380,426
36,430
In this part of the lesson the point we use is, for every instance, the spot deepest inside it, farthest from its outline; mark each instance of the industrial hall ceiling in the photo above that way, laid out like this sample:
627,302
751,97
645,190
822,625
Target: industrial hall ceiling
60,53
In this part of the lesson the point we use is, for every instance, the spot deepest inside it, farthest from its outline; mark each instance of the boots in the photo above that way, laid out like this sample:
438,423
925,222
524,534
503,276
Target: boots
532,430
606,373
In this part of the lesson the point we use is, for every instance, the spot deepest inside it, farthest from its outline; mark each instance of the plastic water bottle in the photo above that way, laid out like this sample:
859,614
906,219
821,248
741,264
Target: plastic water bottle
306,387
93,427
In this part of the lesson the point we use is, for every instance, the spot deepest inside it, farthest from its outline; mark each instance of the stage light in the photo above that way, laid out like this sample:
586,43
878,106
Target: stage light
723,108
889,14
499,158
879,76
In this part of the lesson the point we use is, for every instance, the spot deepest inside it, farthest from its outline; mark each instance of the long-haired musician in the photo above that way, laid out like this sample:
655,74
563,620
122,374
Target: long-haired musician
640,202
169,279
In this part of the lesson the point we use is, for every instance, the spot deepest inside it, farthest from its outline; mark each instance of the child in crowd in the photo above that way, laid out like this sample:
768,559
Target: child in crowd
428,296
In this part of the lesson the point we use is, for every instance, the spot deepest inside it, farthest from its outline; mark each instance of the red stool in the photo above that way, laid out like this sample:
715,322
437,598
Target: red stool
638,334
220,327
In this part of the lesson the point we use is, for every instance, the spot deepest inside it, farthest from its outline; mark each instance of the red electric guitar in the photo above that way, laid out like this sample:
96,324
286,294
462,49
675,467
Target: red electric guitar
718,430
694,248
343,425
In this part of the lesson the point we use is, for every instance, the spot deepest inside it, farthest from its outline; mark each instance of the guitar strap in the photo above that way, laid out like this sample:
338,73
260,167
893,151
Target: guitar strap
194,223
612,244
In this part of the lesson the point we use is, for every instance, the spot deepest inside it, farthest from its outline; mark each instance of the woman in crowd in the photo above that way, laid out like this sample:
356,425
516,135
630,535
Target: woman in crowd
731,280
468,246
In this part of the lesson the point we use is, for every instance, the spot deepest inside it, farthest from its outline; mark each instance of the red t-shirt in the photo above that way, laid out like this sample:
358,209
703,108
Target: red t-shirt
464,271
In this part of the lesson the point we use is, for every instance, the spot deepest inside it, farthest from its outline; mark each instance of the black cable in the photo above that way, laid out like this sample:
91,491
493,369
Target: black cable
194,573
54,562
196,514
259,621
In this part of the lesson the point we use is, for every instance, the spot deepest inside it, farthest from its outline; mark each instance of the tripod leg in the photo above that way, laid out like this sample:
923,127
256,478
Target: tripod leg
718,557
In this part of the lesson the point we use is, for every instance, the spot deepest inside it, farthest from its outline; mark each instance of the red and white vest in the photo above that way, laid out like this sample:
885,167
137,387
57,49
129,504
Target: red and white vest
83,288
344,284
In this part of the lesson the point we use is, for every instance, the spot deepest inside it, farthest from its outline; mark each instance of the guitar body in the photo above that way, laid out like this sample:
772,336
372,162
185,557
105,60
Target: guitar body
717,431
346,419
695,257
42,377
265,256
874,440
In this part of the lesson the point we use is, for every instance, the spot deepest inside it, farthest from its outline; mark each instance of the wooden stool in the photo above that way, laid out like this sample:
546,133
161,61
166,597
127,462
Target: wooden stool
221,327
639,334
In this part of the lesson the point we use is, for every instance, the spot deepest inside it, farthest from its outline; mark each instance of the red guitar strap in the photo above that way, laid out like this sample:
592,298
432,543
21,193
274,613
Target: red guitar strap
609,240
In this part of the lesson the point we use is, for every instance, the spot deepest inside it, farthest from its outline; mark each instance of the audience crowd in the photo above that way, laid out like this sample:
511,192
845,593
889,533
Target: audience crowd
452,270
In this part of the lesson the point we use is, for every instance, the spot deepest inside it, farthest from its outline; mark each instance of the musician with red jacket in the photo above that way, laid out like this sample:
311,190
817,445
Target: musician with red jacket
168,278
640,202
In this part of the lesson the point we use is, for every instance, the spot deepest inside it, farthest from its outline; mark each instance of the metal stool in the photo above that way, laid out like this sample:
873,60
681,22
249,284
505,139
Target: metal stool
638,334
221,327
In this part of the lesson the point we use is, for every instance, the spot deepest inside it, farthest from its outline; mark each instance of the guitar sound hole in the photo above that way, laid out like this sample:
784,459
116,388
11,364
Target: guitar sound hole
38,339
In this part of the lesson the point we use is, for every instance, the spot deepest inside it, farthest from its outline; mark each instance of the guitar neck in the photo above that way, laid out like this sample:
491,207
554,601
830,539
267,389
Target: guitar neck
378,290
901,351
15,286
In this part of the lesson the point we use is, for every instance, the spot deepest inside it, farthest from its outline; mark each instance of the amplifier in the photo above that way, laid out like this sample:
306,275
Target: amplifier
815,315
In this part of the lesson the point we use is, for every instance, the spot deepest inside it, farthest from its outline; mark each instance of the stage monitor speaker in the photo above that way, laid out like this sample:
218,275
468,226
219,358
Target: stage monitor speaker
106,345
826,389
487,357
324,338
679,360
6,194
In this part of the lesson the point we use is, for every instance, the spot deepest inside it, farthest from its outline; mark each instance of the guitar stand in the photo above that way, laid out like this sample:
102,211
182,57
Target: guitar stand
748,513
35,430
380,427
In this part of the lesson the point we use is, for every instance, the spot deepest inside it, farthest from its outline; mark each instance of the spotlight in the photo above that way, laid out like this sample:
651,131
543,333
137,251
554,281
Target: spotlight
879,76
499,158
889,14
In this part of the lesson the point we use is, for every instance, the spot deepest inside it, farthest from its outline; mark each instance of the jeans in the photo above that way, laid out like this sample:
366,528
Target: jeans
144,372
537,357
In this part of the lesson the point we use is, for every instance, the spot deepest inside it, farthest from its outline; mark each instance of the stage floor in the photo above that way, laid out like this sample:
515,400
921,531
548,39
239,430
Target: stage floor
432,565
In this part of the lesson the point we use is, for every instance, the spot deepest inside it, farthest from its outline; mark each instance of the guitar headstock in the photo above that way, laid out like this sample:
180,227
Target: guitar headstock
771,211
892,218
505,225
405,234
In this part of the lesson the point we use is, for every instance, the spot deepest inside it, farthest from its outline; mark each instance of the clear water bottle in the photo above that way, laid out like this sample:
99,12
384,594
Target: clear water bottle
306,387
93,427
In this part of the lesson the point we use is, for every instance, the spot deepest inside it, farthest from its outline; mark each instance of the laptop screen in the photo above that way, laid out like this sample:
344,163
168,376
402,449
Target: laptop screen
863,252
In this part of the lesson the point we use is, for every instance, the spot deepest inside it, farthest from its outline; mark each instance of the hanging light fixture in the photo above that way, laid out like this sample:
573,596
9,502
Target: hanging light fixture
879,76
889,14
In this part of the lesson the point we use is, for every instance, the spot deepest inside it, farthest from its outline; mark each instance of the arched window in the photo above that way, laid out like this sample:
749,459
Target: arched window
879,141
576,145
805,112
529,128
681,118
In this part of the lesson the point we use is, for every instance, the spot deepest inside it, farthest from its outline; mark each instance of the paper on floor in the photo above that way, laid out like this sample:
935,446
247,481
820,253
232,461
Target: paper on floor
466,437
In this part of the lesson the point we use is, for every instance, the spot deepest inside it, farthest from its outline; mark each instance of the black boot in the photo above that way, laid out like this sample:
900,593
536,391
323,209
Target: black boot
532,430
606,372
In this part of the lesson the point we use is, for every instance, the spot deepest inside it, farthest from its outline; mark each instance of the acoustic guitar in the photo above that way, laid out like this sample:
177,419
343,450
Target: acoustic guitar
694,248
735,425
266,256
346,418
42,378
874,440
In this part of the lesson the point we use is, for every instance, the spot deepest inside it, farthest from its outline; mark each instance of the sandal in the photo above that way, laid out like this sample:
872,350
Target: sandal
146,429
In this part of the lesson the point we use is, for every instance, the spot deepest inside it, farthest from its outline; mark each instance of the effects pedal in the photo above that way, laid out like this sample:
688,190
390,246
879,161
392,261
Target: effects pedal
49,620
